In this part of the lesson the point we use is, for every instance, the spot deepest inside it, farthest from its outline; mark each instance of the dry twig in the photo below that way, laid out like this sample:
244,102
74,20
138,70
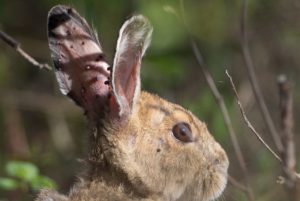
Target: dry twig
223,108
287,137
237,184
254,82
247,121
17,46
220,101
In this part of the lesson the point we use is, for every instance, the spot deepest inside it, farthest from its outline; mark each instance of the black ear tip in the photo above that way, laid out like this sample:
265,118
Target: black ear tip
58,15
58,9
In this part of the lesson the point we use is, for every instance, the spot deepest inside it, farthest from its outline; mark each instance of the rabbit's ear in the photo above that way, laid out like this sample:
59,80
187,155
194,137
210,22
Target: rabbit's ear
80,68
134,38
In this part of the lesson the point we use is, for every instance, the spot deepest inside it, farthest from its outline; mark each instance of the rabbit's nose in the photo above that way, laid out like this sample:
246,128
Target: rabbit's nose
222,160
217,161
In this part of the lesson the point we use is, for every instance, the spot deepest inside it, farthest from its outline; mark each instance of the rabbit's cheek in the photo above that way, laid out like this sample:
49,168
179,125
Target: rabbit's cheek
216,178
160,146
214,184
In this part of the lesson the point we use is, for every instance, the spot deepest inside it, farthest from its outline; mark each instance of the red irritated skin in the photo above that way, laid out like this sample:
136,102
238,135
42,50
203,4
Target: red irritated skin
142,147
80,68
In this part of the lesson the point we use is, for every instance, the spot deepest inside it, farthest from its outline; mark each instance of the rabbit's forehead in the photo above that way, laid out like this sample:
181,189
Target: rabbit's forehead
169,113
156,113
161,111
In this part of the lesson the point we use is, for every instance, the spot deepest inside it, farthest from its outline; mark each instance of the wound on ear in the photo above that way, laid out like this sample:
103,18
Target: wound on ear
78,59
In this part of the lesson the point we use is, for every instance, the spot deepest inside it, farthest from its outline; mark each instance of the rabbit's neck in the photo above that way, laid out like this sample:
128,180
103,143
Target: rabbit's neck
100,190
99,161
99,165
101,168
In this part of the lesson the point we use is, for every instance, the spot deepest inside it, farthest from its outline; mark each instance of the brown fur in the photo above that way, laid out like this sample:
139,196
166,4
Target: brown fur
143,160
133,153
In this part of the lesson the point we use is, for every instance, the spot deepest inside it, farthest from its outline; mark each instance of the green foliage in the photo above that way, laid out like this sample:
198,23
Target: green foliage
22,170
274,38
264,162
168,34
8,183
158,69
209,20
239,195
40,182
23,175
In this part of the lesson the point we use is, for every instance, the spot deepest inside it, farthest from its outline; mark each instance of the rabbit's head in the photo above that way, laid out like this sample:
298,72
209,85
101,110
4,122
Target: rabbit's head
164,151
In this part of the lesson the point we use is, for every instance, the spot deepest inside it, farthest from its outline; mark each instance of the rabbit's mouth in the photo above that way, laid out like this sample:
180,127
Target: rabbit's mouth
209,185
215,182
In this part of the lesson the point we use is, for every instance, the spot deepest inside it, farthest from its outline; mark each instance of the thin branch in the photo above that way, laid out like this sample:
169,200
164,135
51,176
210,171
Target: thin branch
237,184
247,121
220,101
287,122
254,82
17,46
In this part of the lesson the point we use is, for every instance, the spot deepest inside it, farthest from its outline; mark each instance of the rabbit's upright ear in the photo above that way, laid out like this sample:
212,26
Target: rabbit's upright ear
80,68
134,38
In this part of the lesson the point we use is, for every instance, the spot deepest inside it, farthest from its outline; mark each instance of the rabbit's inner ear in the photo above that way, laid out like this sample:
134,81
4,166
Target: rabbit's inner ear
80,69
134,38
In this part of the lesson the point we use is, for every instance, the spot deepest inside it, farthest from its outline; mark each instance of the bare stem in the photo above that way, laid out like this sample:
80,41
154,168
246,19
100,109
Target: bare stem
17,46
237,184
254,82
287,136
247,121
220,100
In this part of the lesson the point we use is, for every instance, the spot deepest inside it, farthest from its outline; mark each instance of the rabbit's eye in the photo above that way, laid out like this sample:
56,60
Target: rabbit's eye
182,131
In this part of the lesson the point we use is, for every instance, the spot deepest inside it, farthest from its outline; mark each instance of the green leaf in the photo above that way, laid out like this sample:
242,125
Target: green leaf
22,170
8,184
40,182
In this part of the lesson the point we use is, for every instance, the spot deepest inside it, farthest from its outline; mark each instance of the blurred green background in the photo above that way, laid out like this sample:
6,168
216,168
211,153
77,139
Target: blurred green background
46,132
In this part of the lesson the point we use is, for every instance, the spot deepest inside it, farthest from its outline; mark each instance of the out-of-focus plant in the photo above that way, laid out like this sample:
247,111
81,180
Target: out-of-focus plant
24,176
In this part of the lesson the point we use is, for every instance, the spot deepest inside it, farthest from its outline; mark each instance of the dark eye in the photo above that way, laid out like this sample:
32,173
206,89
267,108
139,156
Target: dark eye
182,131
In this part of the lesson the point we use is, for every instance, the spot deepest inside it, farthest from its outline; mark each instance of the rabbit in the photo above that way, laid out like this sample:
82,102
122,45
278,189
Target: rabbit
141,147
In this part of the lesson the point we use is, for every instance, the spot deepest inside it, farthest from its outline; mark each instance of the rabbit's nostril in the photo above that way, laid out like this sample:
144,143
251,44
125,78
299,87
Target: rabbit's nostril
217,161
